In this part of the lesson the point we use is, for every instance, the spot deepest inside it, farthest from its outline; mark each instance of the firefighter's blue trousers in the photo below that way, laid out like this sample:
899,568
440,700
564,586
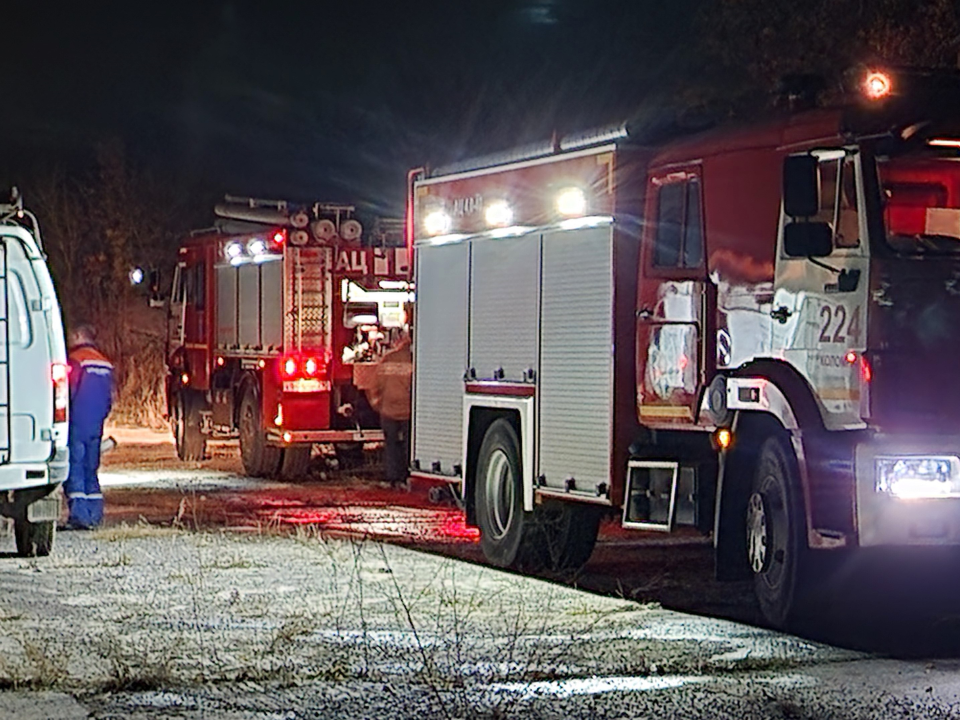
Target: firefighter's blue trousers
82,487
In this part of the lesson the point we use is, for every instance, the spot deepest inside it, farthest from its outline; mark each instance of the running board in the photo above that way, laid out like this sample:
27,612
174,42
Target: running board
657,491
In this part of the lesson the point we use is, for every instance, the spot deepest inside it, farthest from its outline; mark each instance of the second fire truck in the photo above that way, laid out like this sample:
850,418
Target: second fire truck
277,316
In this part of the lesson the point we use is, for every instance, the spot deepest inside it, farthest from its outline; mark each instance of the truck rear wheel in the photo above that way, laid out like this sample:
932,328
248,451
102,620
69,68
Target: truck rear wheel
776,547
188,437
259,459
567,533
503,524
34,539
296,461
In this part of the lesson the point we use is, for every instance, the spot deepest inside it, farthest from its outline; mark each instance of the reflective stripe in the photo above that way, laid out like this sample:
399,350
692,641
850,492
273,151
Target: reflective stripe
85,496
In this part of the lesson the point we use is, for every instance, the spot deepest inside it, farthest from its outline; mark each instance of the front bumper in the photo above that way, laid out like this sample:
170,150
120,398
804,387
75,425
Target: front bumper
885,519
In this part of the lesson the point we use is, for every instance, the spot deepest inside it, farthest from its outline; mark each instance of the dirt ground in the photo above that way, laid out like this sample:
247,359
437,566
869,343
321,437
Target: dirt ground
210,595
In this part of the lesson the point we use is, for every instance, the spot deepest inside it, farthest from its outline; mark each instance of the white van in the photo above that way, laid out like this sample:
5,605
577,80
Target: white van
34,389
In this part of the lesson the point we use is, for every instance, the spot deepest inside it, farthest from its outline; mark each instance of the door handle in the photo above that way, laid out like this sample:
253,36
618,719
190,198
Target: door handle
781,314
644,314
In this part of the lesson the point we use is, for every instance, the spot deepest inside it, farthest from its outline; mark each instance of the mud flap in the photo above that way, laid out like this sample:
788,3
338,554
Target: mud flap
730,522
45,509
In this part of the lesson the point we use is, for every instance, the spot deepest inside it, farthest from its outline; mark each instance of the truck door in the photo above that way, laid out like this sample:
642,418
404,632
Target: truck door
820,304
672,296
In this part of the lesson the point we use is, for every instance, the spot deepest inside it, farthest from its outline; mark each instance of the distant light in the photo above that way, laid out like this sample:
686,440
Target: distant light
877,85
310,367
287,437
571,202
499,214
850,357
256,247
233,250
279,237
184,379
278,420
220,361
437,223
136,276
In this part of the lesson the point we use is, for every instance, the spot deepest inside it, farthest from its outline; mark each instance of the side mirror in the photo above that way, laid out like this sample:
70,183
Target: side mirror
807,239
801,186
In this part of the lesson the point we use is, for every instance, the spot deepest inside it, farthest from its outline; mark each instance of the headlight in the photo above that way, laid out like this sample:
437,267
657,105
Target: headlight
918,477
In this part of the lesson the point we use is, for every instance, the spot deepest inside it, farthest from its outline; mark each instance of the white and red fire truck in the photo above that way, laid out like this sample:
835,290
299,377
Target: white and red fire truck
276,316
751,331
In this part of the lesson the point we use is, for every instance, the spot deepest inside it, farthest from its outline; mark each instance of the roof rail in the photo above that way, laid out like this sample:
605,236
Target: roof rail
532,151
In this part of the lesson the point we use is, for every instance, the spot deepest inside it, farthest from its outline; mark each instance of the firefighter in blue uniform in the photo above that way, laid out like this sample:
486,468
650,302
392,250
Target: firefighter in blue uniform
91,393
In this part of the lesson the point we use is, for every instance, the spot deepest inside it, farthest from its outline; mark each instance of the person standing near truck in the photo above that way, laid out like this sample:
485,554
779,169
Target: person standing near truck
390,396
91,393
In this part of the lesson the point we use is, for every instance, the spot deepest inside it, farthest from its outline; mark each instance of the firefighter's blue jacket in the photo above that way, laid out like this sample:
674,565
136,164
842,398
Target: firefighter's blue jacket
91,392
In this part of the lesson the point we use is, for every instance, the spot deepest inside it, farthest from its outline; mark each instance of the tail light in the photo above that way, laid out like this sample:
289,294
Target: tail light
293,367
60,374
289,368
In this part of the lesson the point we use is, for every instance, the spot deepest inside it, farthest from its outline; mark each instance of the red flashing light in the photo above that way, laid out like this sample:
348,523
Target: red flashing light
311,367
850,357
877,85
866,373
279,237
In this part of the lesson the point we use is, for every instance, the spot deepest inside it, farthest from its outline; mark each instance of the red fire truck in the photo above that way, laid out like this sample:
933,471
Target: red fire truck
751,331
276,317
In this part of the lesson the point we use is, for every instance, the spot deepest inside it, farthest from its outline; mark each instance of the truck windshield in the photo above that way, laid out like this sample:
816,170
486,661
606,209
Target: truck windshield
921,203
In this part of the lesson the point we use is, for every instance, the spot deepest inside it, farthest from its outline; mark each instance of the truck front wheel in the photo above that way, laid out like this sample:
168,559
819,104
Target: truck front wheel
499,496
259,459
34,539
776,547
187,427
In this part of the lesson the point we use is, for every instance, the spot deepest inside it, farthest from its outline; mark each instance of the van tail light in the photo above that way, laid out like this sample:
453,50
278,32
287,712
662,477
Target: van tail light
60,374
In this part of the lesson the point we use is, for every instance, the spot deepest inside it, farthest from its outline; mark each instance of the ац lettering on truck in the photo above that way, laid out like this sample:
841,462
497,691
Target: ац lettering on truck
276,318
751,331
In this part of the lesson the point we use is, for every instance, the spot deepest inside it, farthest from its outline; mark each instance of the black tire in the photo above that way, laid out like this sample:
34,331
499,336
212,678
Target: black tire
505,529
189,439
566,534
350,455
776,542
295,462
259,459
34,539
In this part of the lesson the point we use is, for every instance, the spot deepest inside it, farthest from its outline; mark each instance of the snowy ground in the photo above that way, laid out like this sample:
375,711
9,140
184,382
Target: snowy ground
143,622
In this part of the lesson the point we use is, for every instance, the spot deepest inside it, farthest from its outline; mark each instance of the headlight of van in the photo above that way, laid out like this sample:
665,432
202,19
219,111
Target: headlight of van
918,476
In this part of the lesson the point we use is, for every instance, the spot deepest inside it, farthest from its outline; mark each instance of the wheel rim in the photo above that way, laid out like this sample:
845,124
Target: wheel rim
500,489
757,537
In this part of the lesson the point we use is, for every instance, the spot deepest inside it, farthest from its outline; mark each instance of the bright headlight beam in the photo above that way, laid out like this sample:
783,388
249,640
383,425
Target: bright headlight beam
437,223
498,214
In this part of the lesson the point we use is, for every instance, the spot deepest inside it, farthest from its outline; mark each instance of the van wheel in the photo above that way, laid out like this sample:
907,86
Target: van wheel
567,533
498,495
776,549
34,539
259,459
296,462
189,439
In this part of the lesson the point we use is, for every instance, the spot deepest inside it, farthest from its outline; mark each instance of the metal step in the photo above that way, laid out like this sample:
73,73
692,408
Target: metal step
658,495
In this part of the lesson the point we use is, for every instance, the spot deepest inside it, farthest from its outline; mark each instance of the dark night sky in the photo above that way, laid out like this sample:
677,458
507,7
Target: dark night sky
321,100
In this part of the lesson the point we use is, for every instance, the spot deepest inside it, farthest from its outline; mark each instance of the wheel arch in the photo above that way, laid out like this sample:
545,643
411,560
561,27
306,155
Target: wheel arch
767,398
479,414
